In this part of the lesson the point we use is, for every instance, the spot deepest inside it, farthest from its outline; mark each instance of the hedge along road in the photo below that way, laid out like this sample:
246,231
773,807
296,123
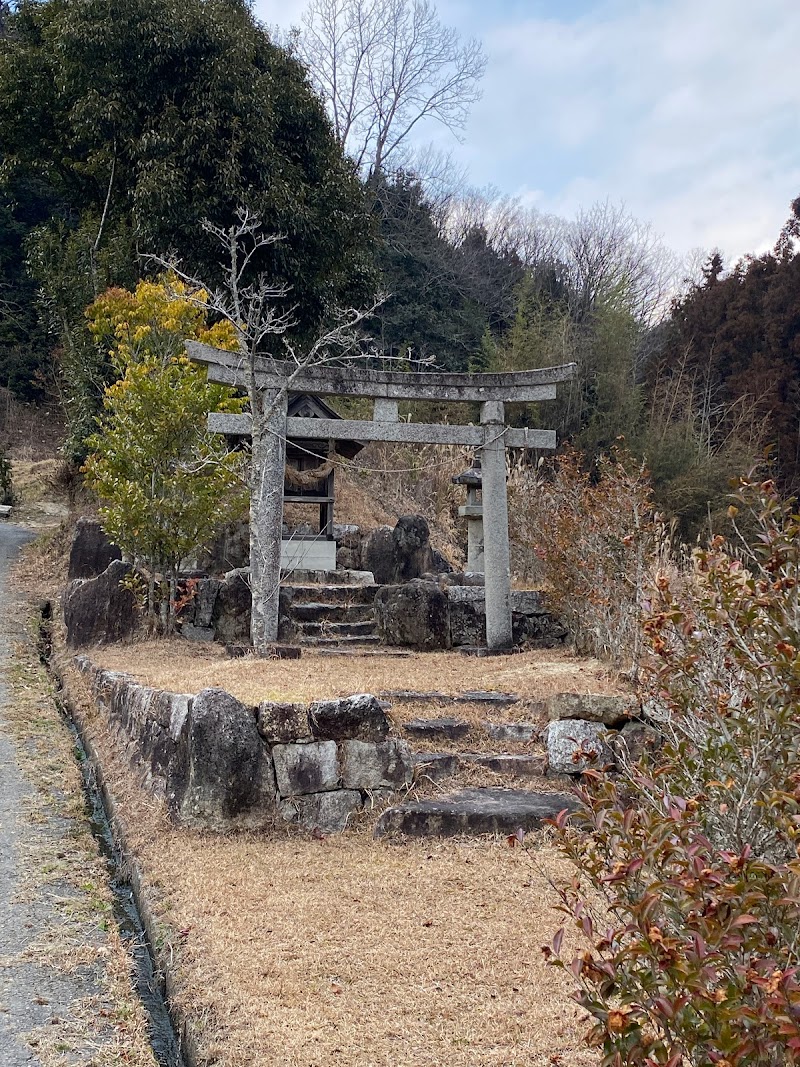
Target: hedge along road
65,994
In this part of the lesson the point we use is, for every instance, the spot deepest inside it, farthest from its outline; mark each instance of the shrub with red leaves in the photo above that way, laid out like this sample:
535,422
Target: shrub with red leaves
688,878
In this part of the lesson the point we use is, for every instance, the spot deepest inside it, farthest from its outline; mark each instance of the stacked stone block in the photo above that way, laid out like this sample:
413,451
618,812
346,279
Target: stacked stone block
220,764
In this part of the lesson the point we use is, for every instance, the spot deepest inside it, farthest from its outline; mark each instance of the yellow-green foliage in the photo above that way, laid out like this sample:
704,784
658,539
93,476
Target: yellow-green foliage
153,322
164,482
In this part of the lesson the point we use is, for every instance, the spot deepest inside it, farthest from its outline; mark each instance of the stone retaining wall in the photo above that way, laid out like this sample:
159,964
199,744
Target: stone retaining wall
441,614
221,765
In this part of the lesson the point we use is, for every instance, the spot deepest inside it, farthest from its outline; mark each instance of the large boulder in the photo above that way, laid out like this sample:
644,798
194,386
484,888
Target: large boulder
91,551
531,620
592,707
100,610
574,746
414,614
230,778
378,555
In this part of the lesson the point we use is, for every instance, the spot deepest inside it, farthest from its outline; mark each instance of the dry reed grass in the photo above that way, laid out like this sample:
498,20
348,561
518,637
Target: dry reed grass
182,667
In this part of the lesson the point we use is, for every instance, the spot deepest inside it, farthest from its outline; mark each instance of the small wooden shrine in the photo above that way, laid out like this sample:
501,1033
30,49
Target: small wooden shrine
309,480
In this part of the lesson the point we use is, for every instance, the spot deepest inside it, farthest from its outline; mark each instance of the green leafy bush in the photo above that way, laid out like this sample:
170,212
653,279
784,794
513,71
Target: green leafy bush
688,883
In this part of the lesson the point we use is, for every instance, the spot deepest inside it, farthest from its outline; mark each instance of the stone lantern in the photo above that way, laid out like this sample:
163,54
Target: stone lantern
472,511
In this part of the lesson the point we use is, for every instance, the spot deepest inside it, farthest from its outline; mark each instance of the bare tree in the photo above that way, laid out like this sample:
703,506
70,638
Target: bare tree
383,67
251,305
614,257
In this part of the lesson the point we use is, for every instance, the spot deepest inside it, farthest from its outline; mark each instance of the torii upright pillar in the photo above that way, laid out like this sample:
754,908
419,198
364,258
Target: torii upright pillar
496,554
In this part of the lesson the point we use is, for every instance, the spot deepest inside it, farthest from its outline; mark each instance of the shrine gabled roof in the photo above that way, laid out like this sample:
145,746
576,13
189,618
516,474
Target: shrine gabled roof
306,406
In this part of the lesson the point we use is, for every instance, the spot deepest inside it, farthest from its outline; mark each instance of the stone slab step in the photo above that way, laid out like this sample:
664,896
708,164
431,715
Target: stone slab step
396,653
512,731
435,765
438,765
470,696
474,811
329,594
511,764
341,642
337,629
447,729
331,612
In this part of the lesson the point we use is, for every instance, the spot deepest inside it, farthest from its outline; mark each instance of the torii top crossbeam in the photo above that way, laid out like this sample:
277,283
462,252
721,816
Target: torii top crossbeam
227,368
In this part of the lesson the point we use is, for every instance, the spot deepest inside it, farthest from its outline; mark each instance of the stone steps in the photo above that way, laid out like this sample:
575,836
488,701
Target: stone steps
332,612
438,765
329,594
473,811
470,696
331,616
497,772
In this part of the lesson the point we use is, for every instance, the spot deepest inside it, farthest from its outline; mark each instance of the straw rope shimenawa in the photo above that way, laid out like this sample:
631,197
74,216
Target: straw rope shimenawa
310,479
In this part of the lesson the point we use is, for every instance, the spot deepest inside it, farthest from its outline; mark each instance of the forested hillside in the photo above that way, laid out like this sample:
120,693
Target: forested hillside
123,128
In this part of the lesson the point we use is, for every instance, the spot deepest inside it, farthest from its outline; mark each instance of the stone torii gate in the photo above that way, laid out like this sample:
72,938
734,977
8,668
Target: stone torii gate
274,379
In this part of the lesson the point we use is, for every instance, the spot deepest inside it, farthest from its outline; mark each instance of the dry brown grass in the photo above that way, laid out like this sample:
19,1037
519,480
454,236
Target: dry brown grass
363,953
178,666
294,951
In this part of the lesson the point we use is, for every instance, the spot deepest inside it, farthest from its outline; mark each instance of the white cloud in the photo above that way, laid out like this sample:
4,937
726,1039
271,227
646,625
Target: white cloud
687,111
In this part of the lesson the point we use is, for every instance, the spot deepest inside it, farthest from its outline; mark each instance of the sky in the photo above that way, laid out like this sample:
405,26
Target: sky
685,111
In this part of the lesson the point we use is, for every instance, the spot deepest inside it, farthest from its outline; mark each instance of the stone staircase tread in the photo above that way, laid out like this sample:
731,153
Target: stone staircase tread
481,696
470,696
474,811
446,727
437,765
337,629
518,765
512,731
325,594
396,653
317,608
365,639
408,696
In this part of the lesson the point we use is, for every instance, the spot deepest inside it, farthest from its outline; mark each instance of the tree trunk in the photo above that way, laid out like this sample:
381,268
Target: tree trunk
266,517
